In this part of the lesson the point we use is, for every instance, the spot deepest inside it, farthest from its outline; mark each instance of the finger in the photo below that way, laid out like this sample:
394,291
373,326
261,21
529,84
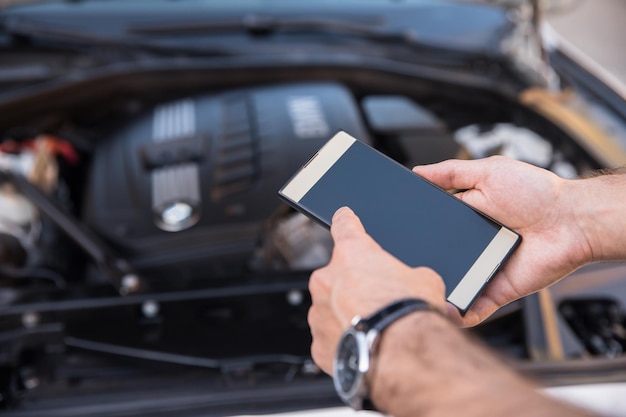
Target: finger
454,173
454,315
346,224
319,284
432,287
482,308
320,352
325,333
470,319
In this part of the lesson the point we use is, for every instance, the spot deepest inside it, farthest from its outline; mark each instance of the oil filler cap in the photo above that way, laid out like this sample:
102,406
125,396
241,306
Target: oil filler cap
176,216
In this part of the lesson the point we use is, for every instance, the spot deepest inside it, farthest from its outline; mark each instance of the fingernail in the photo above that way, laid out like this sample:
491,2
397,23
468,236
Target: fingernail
341,212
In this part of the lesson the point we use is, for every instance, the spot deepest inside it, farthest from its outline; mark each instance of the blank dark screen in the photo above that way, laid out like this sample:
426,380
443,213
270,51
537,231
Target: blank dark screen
418,223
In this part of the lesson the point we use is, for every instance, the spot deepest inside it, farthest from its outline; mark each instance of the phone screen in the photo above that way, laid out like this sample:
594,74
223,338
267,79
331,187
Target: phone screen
409,217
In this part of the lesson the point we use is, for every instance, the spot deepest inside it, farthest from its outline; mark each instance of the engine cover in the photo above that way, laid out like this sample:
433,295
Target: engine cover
191,185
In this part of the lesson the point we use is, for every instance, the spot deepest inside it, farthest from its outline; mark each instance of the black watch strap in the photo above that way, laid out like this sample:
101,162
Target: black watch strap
368,405
385,316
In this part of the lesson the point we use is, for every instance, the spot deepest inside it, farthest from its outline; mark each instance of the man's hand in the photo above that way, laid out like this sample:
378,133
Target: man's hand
424,365
360,278
532,201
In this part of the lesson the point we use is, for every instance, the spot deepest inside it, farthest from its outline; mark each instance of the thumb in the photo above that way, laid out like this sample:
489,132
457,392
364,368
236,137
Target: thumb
346,224
454,174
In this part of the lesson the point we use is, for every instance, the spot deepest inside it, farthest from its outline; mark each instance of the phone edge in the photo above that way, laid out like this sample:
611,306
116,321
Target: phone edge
316,167
484,269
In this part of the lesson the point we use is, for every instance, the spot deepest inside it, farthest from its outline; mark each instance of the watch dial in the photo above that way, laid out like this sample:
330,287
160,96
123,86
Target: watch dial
347,362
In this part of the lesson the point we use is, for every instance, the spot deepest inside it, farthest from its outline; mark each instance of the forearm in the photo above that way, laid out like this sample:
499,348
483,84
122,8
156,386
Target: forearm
427,367
599,208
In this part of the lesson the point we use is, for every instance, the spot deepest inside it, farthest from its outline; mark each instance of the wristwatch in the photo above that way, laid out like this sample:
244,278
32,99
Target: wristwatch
357,349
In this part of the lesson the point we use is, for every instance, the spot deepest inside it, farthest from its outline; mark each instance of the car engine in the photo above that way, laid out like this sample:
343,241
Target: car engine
147,265
187,189
151,229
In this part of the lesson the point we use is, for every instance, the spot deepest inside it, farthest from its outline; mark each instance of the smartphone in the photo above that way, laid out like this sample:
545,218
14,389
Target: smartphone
414,220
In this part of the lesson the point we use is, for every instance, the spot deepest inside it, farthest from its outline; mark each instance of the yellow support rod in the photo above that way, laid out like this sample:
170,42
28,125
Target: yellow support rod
566,110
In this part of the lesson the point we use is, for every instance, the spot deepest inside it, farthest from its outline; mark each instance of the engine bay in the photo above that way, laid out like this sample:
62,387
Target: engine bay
145,241
188,189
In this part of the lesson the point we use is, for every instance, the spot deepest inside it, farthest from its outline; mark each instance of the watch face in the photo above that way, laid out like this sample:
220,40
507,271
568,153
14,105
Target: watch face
351,364
347,362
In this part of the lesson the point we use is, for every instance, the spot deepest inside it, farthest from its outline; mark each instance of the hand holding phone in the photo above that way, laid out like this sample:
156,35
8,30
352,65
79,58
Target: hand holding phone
417,222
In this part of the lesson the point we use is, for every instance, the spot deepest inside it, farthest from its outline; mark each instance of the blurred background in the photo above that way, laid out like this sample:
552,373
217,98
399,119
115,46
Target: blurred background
597,28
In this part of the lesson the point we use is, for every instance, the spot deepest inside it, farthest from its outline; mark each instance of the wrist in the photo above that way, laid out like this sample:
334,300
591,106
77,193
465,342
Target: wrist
427,366
356,352
599,216
397,358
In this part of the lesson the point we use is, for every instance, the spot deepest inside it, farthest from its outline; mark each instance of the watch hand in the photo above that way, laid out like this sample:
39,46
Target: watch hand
353,362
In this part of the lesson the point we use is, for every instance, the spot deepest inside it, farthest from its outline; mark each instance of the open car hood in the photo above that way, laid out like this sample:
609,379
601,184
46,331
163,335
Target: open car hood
128,294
